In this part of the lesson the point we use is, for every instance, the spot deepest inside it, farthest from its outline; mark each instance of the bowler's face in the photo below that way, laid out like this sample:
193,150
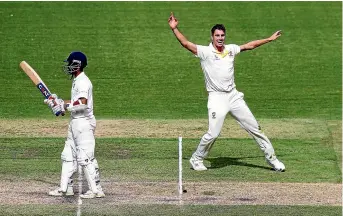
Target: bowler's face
218,38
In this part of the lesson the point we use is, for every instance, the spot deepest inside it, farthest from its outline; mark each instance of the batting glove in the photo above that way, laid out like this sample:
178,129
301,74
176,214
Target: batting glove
56,110
49,102
53,96
60,102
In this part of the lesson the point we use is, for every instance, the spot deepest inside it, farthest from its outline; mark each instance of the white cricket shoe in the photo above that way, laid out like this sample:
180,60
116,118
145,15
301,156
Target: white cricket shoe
197,164
277,165
90,195
58,192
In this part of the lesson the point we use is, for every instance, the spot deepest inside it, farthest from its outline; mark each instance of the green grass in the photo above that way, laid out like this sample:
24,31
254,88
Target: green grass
139,70
157,160
169,210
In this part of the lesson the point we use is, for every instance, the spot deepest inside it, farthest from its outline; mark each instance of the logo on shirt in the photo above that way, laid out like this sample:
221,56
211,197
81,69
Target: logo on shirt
213,115
230,53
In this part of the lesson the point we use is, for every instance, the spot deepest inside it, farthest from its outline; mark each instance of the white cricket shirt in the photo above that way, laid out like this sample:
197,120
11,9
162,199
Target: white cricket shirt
218,68
82,88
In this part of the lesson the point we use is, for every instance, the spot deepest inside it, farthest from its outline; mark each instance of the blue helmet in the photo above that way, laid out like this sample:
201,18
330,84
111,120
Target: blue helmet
76,61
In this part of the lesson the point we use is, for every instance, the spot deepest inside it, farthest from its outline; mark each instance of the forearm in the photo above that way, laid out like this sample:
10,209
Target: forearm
66,104
257,43
77,106
184,42
180,37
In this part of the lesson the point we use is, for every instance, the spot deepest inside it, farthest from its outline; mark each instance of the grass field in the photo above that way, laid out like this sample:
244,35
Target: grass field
148,90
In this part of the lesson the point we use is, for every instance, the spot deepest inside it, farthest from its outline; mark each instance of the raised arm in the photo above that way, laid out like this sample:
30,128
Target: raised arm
173,22
256,43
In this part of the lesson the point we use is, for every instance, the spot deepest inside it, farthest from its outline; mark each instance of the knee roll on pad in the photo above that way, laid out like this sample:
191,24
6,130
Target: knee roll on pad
95,162
84,162
85,156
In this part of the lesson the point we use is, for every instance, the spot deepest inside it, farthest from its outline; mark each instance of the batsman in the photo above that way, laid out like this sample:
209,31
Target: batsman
80,144
217,63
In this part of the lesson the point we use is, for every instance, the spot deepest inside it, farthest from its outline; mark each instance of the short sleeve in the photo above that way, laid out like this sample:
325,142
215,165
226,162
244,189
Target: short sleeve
82,89
202,52
235,49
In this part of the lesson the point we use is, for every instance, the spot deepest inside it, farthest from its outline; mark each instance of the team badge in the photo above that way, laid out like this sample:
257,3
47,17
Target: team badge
213,115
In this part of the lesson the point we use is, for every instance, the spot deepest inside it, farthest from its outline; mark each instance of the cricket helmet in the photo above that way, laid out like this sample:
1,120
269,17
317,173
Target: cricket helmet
75,61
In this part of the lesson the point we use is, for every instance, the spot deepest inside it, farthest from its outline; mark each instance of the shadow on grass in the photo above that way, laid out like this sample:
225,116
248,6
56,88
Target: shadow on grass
220,162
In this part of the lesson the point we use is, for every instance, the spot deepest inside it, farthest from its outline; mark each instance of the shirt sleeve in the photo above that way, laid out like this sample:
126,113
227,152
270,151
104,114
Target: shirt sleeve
235,49
82,90
202,52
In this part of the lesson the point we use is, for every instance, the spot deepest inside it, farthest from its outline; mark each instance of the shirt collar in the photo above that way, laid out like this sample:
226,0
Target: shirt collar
215,50
79,76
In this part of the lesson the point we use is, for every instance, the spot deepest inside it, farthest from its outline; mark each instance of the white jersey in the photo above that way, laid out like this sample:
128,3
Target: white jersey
82,88
218,67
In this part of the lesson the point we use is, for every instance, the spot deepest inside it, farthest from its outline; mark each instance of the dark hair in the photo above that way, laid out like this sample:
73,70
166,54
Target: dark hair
219,27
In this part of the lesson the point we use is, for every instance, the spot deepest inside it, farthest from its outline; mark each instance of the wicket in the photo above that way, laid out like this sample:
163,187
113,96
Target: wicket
180,169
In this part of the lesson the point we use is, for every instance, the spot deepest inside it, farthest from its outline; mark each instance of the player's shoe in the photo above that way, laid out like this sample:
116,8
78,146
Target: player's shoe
58,192
90,195
277,165
197,164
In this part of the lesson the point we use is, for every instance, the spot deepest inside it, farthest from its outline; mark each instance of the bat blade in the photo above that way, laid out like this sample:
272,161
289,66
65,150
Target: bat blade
35,78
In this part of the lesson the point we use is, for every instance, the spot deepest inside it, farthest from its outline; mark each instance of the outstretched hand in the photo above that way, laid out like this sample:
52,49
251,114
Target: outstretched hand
172,21
275,35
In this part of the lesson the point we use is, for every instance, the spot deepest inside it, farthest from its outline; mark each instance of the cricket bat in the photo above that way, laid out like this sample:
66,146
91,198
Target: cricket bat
37,81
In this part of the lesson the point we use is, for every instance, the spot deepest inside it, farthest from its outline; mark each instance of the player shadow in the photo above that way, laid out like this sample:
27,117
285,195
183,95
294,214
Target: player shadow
220,162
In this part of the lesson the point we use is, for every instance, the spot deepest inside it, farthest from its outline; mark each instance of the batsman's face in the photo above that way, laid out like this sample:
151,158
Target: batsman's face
218,38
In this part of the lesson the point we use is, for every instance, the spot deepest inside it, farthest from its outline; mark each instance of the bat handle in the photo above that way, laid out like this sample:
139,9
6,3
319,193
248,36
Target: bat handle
60,113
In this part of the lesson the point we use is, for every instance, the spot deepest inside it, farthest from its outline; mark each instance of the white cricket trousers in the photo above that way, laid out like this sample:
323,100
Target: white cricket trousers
80,146
82,140
221,103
